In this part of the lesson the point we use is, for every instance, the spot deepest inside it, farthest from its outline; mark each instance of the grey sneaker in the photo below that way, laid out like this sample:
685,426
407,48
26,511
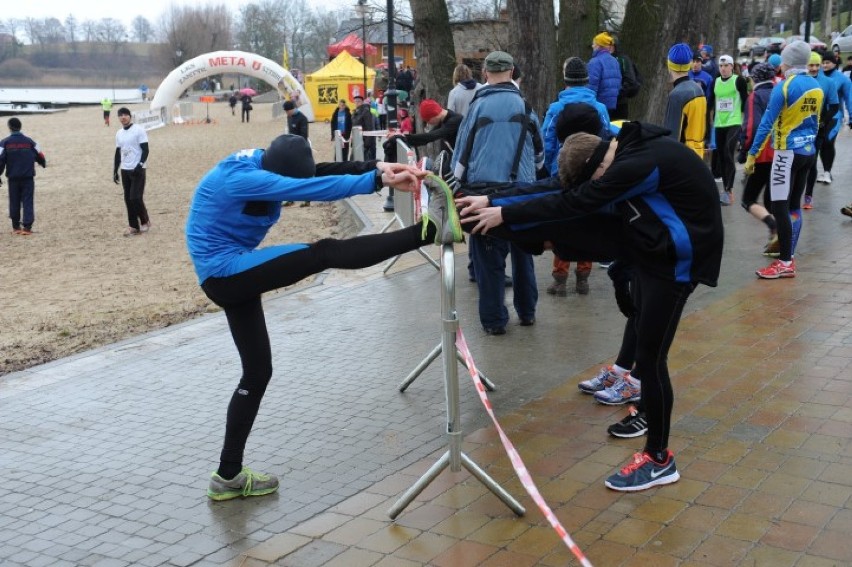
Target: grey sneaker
442,212
247,483
442,169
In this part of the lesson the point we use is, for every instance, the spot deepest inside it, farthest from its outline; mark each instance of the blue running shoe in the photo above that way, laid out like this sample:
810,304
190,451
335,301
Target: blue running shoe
604,379
643,472
725,198
626,389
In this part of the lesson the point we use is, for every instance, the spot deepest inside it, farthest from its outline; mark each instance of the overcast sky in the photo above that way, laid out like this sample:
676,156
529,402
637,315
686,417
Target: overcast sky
124,11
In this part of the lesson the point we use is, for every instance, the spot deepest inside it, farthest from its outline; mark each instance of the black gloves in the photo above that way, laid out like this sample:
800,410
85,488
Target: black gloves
115,177
389,146
741,157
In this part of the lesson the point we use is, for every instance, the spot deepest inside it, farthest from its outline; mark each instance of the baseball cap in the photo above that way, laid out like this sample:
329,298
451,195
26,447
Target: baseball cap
726,60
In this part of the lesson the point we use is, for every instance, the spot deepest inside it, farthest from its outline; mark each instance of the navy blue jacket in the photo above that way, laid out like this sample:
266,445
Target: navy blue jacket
18,156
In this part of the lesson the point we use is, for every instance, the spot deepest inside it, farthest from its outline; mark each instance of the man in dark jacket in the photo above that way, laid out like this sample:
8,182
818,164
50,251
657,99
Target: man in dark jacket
363,117
18,156
669,226
297,123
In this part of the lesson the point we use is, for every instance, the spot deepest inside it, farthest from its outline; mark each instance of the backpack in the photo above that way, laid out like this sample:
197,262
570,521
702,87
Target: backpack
631,80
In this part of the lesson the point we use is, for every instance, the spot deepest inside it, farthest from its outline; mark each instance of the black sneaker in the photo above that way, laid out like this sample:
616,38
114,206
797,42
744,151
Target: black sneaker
634,425
441,168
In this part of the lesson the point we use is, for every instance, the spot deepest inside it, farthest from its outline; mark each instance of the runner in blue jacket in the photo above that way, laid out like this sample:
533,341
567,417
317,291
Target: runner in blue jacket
234,206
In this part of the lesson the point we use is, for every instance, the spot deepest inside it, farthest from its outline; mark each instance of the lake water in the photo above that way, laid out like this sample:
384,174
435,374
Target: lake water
70,96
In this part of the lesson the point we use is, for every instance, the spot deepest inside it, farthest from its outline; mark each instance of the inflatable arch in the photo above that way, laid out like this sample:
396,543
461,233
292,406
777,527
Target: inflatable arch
219,62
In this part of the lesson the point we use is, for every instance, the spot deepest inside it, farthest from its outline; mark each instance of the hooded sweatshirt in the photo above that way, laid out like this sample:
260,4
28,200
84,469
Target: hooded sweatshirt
461,95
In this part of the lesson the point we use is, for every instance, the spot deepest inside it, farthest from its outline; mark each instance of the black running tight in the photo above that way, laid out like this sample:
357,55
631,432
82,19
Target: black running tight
659,306
239,295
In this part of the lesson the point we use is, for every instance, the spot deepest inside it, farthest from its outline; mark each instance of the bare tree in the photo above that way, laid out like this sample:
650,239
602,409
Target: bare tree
111,31
296,21
90,31
53,31
537,59
141,29
33,30
650,28
191,31
321,29
71,29
825,20
436,55
579,22
262,28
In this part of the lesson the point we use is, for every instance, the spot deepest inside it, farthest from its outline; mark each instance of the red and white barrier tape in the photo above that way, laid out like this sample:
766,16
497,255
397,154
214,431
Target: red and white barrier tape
515,458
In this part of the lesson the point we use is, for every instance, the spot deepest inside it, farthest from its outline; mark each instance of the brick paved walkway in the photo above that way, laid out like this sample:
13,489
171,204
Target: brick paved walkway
104,455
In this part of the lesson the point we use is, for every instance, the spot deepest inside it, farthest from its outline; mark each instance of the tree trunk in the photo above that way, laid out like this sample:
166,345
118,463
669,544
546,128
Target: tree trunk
650,28
825,20
579,22
436,53
752,19
727,17
532,33
796,15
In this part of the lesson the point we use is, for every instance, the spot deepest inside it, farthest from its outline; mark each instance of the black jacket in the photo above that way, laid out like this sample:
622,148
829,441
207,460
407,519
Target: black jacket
666,197
447,130
347,121
298,125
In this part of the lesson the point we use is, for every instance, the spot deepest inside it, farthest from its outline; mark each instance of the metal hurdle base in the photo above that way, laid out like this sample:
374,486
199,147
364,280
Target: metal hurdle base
454,457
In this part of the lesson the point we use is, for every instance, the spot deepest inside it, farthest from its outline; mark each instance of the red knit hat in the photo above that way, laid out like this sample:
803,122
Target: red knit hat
429,109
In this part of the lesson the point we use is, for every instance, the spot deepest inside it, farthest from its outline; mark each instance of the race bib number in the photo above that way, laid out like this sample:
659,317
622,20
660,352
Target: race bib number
724,104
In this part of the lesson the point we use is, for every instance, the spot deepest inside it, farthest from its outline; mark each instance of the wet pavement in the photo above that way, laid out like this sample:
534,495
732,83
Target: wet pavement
105,456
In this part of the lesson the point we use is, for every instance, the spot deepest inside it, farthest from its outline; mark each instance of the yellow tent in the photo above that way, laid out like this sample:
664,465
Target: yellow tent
342,78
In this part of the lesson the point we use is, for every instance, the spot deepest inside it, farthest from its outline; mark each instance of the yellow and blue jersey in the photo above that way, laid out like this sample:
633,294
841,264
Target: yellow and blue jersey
792,116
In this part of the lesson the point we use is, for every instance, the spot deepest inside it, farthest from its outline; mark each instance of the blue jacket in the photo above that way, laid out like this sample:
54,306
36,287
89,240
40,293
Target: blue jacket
18,156
844,94
237,202
488,137
792,116
605,77
568,96
703,78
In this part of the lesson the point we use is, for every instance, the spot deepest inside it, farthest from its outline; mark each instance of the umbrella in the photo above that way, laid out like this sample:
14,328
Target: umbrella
248,91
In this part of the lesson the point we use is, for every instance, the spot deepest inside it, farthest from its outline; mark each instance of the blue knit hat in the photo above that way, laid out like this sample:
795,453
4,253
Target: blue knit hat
708,49
774,60
680,58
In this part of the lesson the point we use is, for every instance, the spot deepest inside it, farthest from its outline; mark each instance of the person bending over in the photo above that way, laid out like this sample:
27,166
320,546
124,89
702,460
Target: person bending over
668,225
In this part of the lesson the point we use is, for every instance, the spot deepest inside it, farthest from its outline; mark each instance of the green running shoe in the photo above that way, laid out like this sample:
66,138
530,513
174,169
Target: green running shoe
442,212
247,483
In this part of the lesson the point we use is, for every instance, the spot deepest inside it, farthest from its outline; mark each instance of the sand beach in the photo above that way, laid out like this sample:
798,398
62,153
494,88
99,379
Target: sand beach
77,282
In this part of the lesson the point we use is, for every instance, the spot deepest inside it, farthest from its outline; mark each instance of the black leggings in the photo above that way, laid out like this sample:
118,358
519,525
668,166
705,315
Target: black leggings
827,152
659,306
239,295
755,183
788,177
726,147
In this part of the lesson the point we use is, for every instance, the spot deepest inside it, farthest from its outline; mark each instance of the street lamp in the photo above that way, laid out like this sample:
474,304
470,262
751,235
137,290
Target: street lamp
390,94
361,9
178,55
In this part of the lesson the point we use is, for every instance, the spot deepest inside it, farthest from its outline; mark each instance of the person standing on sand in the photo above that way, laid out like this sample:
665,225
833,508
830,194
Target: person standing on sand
106,105
131,154
18,156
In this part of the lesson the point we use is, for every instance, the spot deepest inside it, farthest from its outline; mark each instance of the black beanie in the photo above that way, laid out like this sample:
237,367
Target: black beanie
578,117
289,155
575,72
